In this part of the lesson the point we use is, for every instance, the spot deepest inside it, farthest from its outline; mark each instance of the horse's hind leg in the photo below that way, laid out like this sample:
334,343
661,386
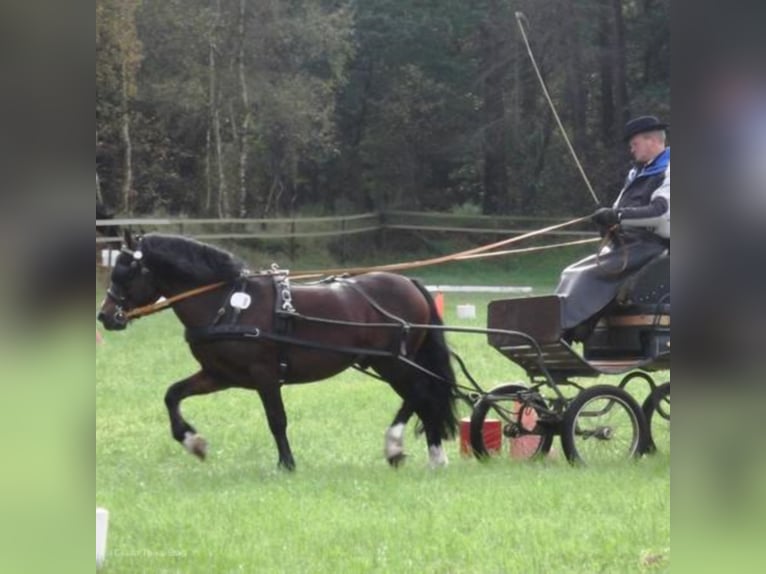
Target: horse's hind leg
271,397
394,447
415,402
198,384
437,457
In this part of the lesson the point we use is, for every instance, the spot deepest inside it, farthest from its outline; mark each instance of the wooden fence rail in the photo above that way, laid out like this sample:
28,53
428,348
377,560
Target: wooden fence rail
340,226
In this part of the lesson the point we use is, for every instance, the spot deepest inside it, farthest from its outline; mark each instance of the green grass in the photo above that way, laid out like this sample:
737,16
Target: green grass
344,509
538,270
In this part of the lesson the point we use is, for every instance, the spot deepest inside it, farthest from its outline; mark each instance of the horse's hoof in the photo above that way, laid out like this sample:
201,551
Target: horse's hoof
196,445
397,459
437,458
288,466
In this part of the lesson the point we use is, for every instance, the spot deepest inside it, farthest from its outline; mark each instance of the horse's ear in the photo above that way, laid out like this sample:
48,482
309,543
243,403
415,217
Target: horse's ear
127,237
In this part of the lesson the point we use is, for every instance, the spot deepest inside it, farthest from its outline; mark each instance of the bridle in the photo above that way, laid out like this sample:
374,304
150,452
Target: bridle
121,301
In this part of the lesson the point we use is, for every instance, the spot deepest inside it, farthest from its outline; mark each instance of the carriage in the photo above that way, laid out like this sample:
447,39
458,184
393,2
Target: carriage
600,422
259,331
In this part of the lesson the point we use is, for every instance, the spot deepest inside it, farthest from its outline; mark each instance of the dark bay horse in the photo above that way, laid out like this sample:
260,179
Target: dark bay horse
256,331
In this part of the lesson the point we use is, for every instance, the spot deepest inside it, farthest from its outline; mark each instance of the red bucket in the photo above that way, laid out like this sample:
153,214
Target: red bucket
493,436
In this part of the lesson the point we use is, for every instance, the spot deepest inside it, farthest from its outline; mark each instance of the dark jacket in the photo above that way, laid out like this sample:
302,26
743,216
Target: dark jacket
643,208
644,201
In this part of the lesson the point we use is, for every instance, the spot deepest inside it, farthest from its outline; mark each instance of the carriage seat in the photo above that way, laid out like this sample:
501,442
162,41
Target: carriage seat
637,324
649,286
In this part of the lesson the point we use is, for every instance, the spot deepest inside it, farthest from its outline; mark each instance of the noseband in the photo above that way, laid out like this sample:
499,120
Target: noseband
119,303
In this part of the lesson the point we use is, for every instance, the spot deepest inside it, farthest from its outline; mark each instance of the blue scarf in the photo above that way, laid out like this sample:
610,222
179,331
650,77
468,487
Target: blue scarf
658,165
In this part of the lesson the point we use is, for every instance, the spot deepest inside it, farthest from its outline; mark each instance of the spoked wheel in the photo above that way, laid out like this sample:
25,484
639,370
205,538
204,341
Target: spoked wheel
603,424
656,409
520,414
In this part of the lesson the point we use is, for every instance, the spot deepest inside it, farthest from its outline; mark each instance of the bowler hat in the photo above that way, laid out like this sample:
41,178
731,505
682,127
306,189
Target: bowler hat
642,125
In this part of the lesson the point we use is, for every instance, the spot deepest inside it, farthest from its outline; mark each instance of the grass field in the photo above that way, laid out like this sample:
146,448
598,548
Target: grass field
344,509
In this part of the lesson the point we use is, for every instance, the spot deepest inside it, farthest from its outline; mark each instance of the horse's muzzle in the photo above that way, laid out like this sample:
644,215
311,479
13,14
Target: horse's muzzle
114,322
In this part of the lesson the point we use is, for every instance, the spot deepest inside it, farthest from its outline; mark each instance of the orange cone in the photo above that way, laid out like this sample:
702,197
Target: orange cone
439,302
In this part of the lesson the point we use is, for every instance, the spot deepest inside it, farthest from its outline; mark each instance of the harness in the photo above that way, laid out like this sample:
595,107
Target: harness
225,326
237,301
284,313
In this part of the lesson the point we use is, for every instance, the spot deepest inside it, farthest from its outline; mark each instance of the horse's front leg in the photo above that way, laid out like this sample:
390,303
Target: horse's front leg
198,384
271,396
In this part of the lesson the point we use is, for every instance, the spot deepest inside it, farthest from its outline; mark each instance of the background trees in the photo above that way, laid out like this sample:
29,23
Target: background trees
230,108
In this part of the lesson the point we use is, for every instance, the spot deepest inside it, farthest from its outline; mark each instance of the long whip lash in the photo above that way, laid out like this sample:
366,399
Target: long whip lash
519,17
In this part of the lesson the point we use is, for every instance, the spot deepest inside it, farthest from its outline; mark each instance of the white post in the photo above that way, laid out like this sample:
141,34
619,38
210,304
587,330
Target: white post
102,524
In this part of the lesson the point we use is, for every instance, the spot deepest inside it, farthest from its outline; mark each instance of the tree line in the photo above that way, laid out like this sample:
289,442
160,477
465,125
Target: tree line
256,108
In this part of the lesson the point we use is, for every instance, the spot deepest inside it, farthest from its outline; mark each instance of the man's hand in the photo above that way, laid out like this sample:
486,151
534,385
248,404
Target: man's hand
605,217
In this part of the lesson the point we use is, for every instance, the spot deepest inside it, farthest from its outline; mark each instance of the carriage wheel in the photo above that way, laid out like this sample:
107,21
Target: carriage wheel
515,408
603,424
657,412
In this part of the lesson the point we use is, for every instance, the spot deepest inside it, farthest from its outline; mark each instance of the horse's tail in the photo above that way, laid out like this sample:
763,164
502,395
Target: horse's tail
434,355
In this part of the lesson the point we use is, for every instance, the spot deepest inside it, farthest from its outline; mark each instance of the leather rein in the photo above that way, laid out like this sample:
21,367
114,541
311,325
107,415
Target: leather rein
164,304
467,254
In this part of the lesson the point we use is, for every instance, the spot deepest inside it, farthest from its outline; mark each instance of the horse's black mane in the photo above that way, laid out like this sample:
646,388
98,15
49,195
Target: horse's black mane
179,258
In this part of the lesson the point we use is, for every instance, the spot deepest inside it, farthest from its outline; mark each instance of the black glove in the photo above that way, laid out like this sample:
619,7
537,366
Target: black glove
605,217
